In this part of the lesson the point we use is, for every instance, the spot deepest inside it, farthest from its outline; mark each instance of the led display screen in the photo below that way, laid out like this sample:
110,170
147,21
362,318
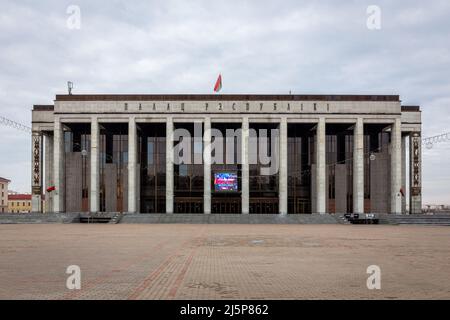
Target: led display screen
225,181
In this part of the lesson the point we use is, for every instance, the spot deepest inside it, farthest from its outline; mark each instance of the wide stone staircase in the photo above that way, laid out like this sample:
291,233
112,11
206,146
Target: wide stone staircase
417,219
36,218
115,217
101,217
231,218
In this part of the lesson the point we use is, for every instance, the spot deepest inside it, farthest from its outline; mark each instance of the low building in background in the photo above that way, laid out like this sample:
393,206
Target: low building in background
436,208
19,203
4,194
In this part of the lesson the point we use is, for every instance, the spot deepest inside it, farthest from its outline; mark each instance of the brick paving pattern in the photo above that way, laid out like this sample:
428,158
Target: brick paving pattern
182,261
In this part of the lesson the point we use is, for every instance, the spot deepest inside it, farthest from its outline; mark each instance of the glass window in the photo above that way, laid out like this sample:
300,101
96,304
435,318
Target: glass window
150,152
68,139
198,147
183,168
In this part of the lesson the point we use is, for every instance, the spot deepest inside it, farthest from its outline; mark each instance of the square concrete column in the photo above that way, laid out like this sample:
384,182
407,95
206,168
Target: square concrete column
283,174
415,180
169,165
321,167
207,166
404,166
245,167
58,166
358,166
396,167
48,168
132,155
94,196
36,176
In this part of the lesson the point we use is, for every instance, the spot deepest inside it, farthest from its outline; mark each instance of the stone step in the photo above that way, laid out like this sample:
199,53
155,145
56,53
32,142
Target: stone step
31,218
116,218
416,219
95,219
230,218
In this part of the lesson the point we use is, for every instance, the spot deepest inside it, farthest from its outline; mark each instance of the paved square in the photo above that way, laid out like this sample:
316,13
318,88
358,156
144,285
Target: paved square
166,261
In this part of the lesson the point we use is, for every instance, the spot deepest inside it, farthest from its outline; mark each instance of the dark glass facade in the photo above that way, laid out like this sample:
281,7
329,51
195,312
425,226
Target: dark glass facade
188,177
77,146
263,188
339,157
227,201
376,166
300,157
152,152
113,167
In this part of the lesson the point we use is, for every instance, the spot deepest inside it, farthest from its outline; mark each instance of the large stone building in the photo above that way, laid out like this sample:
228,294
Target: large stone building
123,153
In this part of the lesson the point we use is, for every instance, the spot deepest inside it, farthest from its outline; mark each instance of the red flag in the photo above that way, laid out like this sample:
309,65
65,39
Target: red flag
218,84
402,192
50,189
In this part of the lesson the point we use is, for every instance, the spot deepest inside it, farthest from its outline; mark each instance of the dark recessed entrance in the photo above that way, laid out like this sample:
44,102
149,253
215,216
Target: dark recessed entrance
226,198
300,159
188,173
263,187
152,147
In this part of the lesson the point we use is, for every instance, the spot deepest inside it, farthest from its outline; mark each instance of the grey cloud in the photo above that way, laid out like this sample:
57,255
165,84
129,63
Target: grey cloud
259,46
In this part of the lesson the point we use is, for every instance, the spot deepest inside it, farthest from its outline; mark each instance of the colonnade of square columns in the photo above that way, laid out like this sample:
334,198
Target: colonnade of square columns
55,163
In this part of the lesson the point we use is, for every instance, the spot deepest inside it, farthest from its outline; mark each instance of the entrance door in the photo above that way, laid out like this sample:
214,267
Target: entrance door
226,205
302,206
188,205
264,206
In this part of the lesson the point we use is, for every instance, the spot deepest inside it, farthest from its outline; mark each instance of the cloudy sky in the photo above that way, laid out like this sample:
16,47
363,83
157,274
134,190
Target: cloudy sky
258,46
